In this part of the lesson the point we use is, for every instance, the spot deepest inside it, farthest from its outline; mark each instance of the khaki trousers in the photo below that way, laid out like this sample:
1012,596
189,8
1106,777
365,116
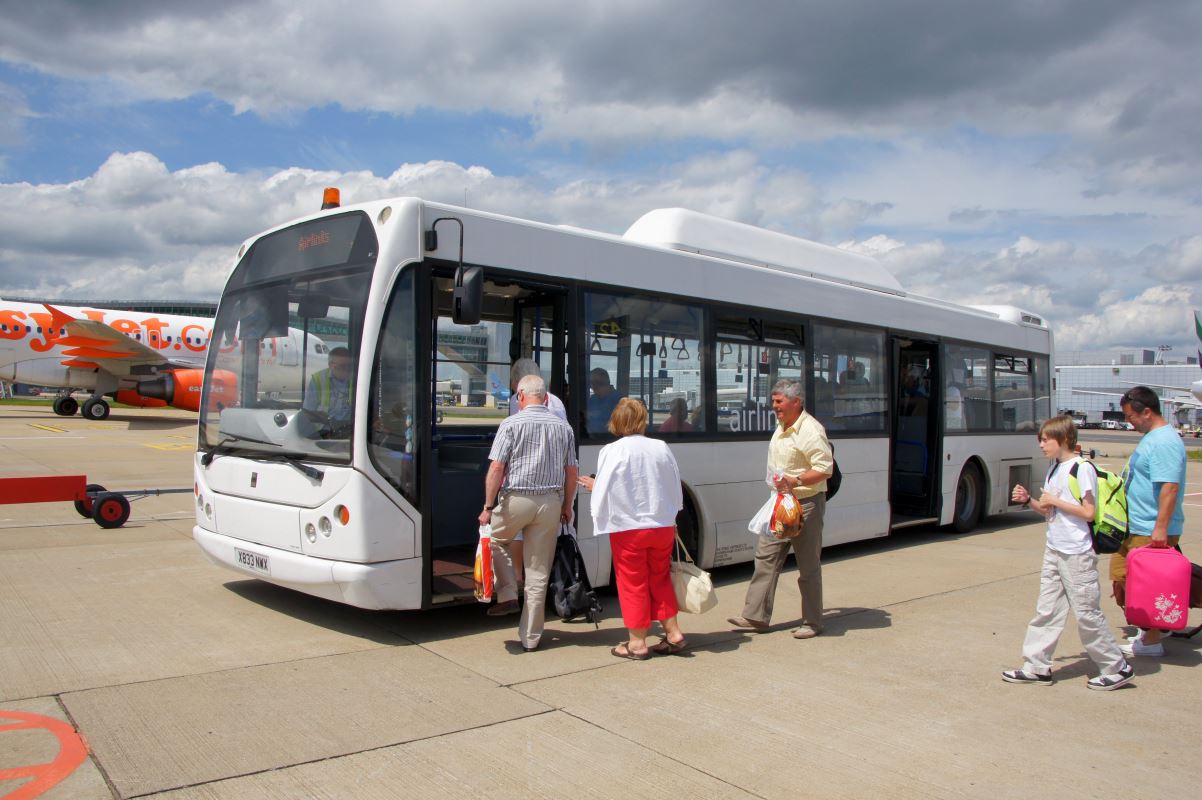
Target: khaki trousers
770,555
1069,581
536,517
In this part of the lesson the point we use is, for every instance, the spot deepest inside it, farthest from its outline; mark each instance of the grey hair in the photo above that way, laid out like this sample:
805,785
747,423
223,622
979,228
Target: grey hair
521,368
790,388
533,386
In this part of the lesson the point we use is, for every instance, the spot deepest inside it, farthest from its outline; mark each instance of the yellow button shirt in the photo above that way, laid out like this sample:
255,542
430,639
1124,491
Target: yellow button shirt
799,448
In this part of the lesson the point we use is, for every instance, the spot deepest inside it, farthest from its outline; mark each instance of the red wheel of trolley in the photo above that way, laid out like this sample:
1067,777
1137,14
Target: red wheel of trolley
111,510
85,507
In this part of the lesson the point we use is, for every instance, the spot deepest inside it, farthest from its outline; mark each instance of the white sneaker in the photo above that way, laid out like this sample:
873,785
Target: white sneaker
1138,648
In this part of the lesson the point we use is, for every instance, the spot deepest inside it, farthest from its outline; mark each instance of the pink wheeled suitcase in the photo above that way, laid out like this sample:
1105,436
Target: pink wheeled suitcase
1158,588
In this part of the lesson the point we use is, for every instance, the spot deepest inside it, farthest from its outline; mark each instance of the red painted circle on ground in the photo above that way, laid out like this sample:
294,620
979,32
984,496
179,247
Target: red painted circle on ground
71,753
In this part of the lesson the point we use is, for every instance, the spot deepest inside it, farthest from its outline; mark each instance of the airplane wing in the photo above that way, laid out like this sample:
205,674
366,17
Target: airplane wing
1185,402
91,345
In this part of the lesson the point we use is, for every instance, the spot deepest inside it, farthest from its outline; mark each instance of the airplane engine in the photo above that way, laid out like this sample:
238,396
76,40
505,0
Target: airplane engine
131,398
182,388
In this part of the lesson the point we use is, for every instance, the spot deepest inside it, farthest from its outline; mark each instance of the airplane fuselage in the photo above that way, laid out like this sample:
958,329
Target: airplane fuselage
32,351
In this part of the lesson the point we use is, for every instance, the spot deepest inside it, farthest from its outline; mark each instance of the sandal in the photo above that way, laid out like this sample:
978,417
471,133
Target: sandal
622,650
667,648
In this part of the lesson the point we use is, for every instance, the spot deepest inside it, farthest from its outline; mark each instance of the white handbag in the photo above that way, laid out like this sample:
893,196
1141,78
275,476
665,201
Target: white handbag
694,590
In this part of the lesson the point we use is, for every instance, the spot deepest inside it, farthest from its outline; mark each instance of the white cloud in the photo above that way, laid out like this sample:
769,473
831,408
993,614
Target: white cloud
1158,315
138,230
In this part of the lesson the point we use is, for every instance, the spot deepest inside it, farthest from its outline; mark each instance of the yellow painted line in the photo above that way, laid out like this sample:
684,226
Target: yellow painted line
179,436
47,428
170,446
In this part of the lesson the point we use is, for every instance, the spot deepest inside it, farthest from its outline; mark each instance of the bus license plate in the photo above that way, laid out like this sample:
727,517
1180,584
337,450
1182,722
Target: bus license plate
252,561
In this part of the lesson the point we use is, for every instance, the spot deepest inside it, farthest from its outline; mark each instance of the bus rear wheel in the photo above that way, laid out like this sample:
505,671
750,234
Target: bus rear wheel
970,499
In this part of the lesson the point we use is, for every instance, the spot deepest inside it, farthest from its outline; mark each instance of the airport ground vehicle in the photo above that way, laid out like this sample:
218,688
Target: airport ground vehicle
932,406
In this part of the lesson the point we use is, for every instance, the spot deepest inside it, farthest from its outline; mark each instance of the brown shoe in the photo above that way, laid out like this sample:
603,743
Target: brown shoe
806,632
501,609
750,624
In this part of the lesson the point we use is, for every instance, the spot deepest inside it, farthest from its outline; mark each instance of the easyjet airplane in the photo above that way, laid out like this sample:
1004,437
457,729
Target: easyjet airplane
140,359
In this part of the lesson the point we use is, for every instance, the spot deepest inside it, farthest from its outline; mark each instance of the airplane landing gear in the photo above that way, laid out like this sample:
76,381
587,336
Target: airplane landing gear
65,406
96,408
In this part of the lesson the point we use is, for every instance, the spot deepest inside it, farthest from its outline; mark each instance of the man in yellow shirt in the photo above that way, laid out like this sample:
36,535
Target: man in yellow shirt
799,461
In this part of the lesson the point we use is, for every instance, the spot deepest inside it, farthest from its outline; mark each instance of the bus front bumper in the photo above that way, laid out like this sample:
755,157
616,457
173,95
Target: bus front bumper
392,585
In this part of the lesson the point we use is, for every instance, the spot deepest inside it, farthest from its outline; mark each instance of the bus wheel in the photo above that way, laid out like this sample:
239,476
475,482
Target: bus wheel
970,498
686,526
111,510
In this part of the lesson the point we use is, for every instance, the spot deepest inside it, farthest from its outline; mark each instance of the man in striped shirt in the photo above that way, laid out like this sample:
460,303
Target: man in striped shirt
529,489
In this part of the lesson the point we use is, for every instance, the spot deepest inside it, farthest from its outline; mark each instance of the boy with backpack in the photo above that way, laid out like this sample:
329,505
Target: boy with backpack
1070,568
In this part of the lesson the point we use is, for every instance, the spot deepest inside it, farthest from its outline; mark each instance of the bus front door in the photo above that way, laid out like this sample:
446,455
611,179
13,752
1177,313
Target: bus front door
914,482
471,396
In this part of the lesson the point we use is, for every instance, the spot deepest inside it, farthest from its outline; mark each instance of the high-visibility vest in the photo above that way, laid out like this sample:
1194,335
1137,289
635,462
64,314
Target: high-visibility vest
325,390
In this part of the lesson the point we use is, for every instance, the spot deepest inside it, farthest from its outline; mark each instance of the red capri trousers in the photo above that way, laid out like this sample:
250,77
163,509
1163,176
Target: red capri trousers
642,564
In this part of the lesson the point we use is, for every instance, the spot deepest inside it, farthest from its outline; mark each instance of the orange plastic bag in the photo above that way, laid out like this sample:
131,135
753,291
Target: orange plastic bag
787,519
483,570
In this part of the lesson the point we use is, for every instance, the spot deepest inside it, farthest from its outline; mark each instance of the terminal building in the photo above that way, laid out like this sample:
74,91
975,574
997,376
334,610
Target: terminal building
1093,390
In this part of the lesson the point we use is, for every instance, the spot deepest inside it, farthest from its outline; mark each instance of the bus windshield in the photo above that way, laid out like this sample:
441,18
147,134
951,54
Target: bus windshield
280,378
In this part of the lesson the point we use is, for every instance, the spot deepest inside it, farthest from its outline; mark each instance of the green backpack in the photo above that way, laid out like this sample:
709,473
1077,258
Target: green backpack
1109,526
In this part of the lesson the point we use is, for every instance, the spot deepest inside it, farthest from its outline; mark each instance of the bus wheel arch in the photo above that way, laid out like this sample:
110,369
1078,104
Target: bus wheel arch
688,524
972,496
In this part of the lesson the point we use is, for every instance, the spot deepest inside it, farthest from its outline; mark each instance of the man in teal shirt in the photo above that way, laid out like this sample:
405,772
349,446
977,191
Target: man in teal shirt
1155,486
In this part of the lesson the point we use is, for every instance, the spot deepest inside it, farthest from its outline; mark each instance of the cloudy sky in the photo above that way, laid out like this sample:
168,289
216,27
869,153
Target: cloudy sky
1045,153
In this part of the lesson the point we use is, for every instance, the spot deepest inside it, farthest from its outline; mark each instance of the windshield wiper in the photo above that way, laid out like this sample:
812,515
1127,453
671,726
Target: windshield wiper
220,447
291,460
305,469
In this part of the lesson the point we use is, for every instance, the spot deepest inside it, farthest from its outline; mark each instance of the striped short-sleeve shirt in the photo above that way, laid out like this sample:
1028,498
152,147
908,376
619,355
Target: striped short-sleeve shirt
536,446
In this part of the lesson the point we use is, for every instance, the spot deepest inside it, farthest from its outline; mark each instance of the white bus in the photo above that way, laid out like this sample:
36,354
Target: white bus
932,407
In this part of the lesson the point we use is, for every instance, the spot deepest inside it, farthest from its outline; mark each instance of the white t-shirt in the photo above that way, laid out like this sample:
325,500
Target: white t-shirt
553,403
637,486
1068,534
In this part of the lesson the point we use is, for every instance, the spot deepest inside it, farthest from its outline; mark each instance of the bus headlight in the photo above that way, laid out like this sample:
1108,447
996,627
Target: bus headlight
326,526
209,510
311,532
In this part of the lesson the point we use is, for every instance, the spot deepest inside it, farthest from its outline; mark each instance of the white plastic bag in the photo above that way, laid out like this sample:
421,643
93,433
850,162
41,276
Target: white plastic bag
761,523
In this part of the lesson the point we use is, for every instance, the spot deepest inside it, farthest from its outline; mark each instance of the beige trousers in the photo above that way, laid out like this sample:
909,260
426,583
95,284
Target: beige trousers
770,555
536,517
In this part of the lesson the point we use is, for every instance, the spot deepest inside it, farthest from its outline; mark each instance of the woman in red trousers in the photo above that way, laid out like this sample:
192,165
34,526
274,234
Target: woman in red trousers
636,496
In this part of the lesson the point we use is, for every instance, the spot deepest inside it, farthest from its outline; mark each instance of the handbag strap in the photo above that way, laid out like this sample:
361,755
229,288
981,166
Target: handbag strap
680,548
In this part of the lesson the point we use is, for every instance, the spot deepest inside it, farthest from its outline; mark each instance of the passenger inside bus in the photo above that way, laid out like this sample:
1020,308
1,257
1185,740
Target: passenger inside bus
601,402
953,409
678,417
520,369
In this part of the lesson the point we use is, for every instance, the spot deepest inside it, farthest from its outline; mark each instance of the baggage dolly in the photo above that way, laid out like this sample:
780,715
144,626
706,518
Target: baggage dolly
92,501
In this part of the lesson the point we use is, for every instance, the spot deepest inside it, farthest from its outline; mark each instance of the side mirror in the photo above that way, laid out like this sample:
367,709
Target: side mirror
646,349
468,299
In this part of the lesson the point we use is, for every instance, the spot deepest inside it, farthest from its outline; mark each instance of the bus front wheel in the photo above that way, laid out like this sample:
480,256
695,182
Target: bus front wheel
970,499
686,527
